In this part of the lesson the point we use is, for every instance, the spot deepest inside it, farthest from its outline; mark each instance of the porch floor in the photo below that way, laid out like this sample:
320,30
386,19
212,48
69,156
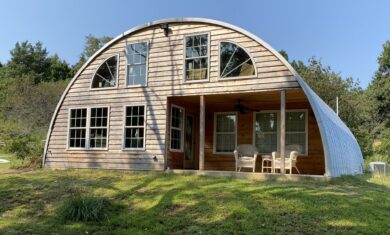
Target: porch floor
251,175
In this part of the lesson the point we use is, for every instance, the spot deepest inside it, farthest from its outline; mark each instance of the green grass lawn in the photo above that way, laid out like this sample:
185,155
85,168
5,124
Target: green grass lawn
6,157
158,203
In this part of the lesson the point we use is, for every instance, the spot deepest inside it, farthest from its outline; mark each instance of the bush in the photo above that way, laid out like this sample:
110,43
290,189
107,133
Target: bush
24,147
383,147
85,208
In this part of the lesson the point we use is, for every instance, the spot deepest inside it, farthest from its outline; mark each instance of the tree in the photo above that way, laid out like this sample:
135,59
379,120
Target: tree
378,93
29,59
92,45
353,108
58,69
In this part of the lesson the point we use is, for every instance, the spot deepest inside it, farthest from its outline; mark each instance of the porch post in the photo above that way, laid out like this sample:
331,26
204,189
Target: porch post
282,130
201,132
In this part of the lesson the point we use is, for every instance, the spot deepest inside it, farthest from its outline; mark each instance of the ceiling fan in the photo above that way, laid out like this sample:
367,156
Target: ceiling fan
242,109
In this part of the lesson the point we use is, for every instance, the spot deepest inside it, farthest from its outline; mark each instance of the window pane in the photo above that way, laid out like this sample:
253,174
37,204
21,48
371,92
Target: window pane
225,132
197,48
266,137
106,74
295,121
134,131
234,61
226,123
136,63
296,142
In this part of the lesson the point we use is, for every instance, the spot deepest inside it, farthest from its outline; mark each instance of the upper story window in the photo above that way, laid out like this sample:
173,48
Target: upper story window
107,73
234,62
196,57
137,57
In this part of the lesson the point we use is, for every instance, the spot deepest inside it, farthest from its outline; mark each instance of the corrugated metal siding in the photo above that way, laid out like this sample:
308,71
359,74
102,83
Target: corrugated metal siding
342,152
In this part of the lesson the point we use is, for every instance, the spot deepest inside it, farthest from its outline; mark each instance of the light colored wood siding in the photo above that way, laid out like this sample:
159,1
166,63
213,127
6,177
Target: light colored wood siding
165,79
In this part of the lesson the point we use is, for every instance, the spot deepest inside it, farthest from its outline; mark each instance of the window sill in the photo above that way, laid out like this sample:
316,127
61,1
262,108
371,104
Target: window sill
196,81
87,149
237,78
129,150
134,86
103,88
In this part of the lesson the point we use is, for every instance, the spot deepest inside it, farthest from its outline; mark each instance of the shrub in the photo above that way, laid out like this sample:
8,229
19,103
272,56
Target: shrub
383,147
24,147
85,208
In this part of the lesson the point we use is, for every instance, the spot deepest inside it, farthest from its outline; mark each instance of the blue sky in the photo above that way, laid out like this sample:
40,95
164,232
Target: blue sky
345,34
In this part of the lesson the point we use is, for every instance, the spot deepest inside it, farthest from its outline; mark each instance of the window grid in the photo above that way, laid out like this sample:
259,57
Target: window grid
77,128
196,57
292,137
266,140
225,140
137,54
98,128
177,117
135,127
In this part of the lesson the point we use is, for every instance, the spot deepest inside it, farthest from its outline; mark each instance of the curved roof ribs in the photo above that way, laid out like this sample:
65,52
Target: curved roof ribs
342,151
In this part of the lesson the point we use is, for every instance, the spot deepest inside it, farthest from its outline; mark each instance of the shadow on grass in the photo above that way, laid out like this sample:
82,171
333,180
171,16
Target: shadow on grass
157,203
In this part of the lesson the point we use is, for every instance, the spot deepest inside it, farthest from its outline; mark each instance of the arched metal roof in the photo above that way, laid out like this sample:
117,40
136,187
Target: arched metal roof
342,152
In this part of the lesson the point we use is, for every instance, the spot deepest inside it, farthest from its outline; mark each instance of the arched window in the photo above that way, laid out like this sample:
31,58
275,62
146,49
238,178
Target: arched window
234,61
107,73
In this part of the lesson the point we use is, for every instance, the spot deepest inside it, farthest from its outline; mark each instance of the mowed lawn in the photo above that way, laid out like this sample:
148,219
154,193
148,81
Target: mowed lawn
160,203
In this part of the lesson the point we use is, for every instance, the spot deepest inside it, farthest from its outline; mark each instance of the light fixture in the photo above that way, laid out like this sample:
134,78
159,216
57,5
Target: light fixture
165,27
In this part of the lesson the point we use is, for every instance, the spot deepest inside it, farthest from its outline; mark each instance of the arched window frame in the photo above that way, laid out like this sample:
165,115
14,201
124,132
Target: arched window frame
116,78
219,62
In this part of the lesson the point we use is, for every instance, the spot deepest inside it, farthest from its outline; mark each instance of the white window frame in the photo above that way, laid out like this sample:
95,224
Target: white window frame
215,132
117,74
175,128
124,128
306,128
278,128
88,127
219,62
185,59
146,64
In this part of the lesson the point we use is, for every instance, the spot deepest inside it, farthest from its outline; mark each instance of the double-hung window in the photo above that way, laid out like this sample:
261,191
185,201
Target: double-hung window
196,57
296,131
135,127
225,132
137,57
266,131
177,119
88,128
77,128
98,128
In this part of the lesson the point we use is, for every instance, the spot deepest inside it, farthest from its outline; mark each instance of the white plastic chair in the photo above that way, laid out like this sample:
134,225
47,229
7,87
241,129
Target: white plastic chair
245,156
289,163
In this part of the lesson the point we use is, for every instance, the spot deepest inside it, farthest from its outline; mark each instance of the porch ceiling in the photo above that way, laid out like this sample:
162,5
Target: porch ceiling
292,96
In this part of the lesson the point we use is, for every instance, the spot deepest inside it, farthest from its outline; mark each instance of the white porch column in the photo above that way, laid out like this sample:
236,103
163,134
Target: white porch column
202,117
282,130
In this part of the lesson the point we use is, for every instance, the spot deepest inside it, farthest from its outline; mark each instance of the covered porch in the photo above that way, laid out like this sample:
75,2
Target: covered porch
203,131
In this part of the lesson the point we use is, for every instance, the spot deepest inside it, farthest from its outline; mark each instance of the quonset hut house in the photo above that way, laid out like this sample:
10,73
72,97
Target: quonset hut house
183,94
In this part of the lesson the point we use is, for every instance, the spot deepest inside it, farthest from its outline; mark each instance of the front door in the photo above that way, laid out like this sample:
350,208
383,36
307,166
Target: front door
189,142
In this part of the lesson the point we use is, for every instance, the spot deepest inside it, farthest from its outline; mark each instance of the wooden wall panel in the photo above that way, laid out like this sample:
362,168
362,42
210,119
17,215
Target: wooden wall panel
313,163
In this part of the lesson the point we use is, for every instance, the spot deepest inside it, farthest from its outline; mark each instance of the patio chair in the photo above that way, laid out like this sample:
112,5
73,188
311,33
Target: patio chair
245,156
289,163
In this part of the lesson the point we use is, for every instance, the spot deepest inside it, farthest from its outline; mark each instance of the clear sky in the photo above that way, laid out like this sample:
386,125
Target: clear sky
345,34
